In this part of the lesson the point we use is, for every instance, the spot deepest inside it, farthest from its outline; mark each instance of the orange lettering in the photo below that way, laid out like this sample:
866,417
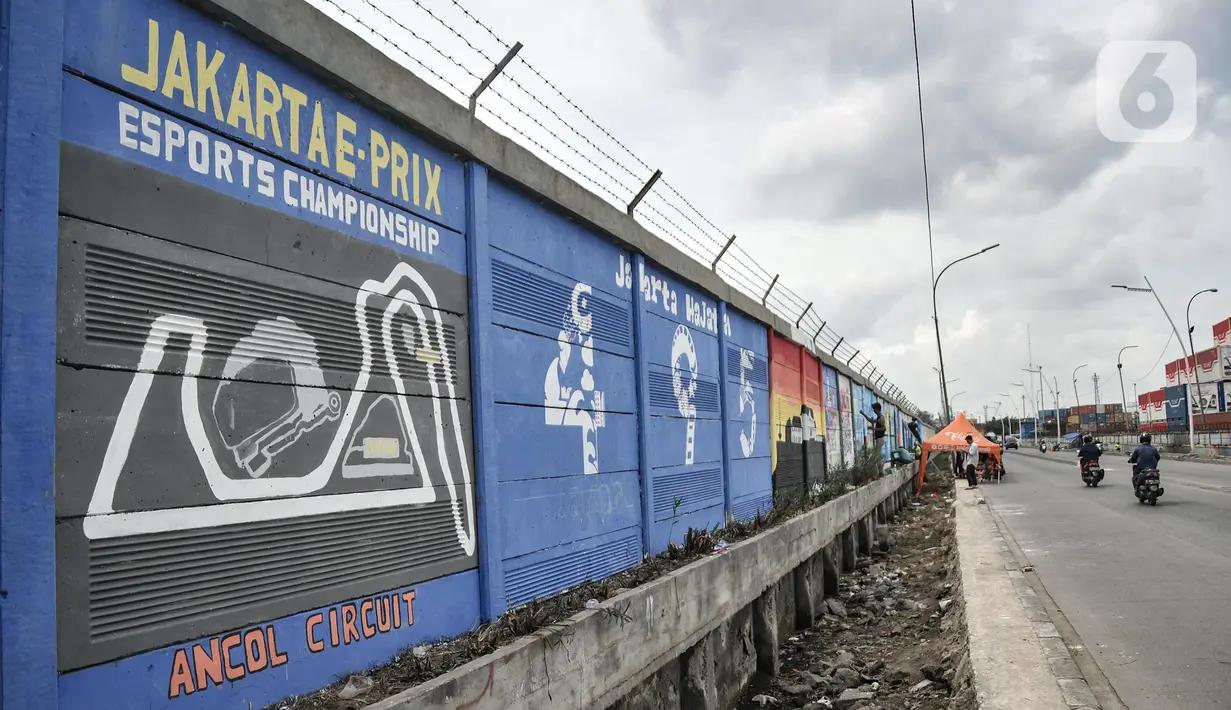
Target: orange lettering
181,675
409,597
364,609
314,621
228,644
275,658
254,649
333,627
397,611
382,619
348,624
208,663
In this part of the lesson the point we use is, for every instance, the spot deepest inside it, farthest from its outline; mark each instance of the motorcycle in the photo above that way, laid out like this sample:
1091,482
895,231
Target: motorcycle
1091,473
1149,487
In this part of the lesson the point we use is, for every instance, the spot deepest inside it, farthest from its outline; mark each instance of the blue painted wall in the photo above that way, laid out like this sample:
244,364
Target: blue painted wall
746,401
564,454
609,406
679,363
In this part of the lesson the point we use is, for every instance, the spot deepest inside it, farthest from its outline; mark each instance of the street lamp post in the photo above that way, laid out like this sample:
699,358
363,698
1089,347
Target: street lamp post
1120,371
940,355
949,404
1019,415
1196,375
1192,443
1075,396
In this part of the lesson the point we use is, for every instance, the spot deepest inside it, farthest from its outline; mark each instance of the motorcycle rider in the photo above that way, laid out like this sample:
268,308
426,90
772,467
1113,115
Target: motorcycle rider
1088,452
1144,458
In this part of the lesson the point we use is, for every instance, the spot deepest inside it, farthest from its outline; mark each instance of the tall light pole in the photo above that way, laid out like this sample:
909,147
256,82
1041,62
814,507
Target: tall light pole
1120,371
1196,376
940,355
1015,411
1150,290
1075,369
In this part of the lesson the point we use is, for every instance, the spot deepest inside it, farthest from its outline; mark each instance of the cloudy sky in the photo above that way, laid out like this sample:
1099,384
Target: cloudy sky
794,124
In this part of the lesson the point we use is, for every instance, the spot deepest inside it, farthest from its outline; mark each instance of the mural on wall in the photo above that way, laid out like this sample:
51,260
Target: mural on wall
746,395
848,420
786,389
375,435
564,459
680,354
833,426
263,389
571,398
862,402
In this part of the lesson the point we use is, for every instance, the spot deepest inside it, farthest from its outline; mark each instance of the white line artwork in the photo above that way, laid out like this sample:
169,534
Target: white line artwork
563,403
266,498
747,439
684,382
314,404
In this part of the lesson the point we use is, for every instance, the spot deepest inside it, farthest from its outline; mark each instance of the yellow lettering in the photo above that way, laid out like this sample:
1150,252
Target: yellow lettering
317,150
433,186
268,104
297,99
147,79
415,180
241,101
207,80
178,72
401,166
344,148
380,155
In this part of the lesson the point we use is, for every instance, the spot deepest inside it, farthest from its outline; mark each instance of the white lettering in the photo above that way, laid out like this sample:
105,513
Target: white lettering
172,138
401,237
149,128
128,125
336,198
265,178
386,224
198,152
222,161
307,193
289,181
352,208
246,159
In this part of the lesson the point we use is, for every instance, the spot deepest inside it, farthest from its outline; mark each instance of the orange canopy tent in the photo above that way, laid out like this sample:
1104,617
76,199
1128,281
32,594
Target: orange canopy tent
953,438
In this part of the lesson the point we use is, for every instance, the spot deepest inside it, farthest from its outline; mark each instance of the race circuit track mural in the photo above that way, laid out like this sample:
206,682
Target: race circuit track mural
236,442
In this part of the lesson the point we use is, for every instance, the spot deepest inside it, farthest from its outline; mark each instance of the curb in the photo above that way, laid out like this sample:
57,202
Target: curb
1037,653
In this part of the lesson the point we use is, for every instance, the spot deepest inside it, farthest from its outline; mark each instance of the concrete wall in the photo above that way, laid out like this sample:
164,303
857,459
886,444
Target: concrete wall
691,639
276,316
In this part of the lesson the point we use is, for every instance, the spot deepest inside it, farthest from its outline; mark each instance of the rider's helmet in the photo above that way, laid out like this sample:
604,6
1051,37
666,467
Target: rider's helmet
1087,439
1145,438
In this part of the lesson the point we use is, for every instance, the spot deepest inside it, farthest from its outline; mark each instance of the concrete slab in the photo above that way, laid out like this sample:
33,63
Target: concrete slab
1010,669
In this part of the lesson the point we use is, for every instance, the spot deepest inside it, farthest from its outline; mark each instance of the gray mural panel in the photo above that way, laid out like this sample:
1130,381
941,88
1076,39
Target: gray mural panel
255,415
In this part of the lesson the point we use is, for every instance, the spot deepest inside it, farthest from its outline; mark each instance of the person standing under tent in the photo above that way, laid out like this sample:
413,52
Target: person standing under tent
972,458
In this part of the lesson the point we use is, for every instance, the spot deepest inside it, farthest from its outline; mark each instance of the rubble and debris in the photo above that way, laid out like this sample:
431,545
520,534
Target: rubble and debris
894,636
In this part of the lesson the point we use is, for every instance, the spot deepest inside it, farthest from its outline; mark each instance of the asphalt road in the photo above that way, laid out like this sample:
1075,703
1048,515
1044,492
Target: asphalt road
1148,589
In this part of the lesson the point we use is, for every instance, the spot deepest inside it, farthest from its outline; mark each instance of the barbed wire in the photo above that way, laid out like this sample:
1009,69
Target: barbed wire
664,209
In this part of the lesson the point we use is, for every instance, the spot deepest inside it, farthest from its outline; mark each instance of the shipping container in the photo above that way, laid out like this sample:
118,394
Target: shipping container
1176,402
1220,421
1083,409
1177,425
1222,332
1208,397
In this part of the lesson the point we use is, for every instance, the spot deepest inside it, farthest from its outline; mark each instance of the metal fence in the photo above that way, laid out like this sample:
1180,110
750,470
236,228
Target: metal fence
454,51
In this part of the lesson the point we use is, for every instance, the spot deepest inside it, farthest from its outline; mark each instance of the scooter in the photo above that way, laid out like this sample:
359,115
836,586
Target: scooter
1091,473
1149,488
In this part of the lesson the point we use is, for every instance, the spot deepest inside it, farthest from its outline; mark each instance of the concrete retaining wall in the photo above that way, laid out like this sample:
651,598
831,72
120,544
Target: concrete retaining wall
692,639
